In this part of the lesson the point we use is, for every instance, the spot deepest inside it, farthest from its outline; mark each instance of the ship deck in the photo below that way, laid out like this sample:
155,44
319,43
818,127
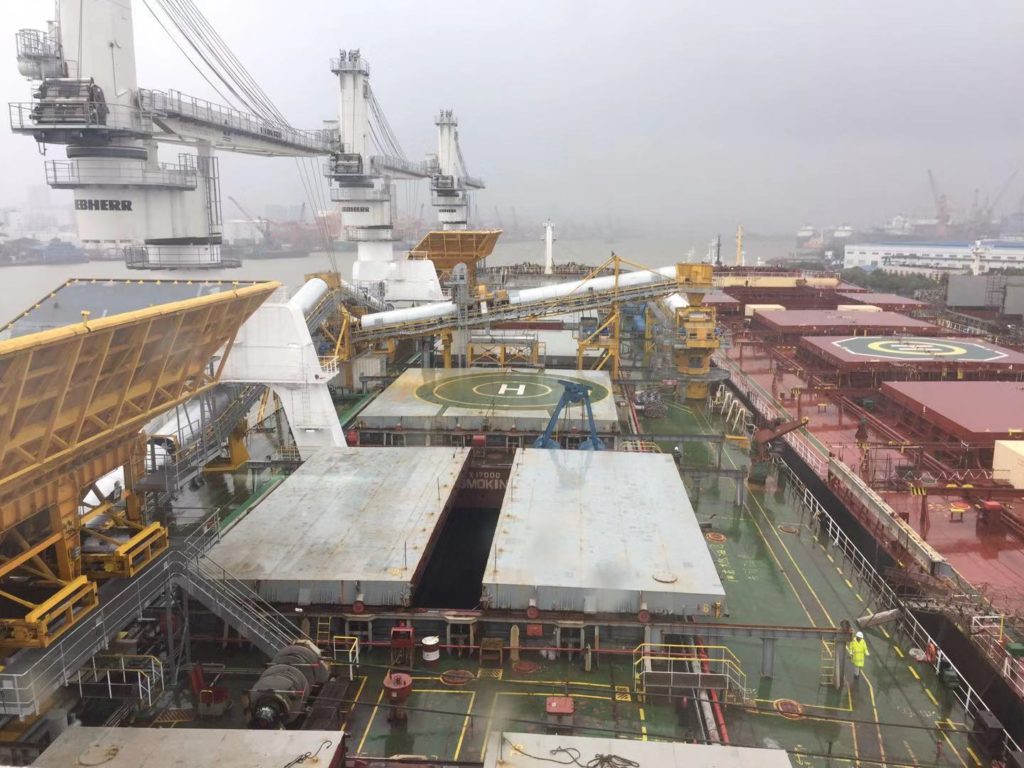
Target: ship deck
775,572
990,557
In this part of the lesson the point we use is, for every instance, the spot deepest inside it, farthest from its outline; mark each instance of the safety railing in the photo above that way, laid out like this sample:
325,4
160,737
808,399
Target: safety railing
36,43
833,537
178,257
119,676
667,669
356,234
989,633
76,114
345,63
72,173
237,602
900,530
389,164
356,195
345,650
32,677
176,104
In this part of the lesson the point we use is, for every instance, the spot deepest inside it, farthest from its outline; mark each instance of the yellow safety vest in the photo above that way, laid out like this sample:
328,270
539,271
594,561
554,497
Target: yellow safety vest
858,650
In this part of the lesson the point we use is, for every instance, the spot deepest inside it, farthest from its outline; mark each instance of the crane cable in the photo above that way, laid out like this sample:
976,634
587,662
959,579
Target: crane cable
200,35
257,101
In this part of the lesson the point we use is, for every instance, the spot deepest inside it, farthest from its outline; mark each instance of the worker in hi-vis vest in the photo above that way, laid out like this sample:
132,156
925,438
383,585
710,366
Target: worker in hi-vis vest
858,651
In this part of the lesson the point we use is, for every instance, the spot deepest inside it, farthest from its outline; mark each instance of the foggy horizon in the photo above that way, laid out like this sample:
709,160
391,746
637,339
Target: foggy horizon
677,119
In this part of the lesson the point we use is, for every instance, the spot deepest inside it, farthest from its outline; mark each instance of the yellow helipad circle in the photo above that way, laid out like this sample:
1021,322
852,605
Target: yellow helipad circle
918,348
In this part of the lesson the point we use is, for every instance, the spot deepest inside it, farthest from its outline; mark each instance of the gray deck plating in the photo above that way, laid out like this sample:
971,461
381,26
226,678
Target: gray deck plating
599,532
347,521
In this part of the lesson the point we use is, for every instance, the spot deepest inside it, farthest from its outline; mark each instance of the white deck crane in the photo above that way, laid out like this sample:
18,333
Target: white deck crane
450,182
163,215
362,183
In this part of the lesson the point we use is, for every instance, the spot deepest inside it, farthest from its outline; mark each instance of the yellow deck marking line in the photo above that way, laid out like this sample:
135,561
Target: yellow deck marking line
359,692
848,582
932,697
974,757
887,635
369,723
545,693
487,729
643,715
805,705
465,724
828,616
782,570
878,723
857,595
913,672
561,683
828,555
898,651
953,747
785,575
792,559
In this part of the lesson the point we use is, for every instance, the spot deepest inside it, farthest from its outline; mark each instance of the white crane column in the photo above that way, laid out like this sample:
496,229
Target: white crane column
87,99
365,195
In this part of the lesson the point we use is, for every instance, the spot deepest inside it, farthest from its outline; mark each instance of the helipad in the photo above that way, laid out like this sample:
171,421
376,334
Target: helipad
873,352
485,398
917,348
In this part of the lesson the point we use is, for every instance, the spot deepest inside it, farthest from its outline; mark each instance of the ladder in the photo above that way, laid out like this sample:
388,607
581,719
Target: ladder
827,673
323,631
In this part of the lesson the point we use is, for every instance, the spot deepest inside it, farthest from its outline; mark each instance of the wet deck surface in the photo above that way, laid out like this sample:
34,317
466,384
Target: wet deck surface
775,572
989,556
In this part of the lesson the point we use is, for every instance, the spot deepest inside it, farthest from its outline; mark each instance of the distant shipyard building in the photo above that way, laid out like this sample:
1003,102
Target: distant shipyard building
935,257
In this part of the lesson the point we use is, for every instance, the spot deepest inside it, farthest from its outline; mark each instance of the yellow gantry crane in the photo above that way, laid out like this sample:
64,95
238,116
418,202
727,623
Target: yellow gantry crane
72,403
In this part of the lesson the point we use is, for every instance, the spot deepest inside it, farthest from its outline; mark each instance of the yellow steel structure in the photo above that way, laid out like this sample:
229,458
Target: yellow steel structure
504,351
695,328
72,403
606,338
458,246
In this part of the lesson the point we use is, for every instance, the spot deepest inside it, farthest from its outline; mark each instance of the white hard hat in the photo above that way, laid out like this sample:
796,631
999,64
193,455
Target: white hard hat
860,635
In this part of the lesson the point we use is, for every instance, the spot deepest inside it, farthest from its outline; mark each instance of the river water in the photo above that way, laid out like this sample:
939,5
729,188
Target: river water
22,286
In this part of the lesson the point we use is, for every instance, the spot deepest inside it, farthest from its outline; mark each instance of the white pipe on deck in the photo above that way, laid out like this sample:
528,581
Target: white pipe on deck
421,312
309,295
607,283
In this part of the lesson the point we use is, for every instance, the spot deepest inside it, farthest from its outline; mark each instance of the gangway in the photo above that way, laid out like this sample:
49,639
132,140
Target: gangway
187,119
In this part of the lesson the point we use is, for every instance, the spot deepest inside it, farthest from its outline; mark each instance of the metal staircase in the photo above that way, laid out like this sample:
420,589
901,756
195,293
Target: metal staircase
33,675
227,597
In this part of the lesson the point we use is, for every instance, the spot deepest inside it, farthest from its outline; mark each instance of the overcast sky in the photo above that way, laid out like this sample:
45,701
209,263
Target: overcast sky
688,116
